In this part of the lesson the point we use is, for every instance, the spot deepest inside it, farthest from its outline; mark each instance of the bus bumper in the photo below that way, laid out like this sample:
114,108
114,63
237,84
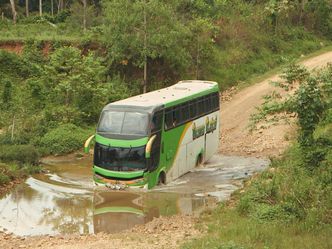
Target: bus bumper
119,184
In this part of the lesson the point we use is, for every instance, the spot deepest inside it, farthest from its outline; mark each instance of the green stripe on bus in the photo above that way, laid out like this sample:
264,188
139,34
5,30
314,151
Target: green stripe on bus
122,174
121,143
105,210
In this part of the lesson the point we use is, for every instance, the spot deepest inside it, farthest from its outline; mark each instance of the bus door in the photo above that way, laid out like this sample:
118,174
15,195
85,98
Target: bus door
156,125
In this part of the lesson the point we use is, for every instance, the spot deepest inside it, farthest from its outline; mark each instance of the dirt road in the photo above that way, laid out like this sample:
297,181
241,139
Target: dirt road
235,114
170,232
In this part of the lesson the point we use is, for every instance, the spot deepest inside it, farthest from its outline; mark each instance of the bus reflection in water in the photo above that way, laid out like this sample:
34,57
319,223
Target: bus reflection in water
115,211
118,211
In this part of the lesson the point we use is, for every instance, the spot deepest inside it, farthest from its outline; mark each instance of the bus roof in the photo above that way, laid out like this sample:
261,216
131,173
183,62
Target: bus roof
169,96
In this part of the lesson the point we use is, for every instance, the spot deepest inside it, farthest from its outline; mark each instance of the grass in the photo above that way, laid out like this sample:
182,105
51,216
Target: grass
259,78
227,229
37,32
243,62
12,171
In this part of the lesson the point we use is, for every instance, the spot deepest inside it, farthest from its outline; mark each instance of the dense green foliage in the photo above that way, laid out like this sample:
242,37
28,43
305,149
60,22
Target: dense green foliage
63,139
22,154
222,40
46,98
289,192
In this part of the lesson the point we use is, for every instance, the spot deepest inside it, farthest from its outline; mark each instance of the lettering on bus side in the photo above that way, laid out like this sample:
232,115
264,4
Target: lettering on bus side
209,126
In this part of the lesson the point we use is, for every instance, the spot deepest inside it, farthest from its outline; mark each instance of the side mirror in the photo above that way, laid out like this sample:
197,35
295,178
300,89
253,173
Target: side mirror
88,143
149,146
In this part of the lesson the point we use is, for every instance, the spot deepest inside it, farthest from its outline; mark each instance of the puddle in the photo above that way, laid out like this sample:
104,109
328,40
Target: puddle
220,177
64,199
117,211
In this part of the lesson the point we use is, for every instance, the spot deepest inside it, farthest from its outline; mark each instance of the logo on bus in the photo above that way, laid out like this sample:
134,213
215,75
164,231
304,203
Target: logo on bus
209,126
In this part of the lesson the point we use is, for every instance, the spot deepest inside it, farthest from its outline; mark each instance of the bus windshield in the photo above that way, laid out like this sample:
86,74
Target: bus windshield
119,159
124,123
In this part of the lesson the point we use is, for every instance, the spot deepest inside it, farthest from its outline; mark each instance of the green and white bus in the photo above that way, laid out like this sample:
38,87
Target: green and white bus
156,137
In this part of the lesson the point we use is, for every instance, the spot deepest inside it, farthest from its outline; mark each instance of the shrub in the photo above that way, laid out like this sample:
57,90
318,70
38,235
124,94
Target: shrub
290,191
64,139
23,154
12,171
4,179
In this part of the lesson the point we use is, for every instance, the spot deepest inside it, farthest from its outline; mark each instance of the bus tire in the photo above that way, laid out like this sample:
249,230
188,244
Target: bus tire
199,160
162,178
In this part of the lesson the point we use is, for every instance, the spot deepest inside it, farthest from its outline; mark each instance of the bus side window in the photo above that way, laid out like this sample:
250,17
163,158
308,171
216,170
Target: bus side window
200,106
168,119
192,109
216,101
176,116
157,122
206,104
184,113
210,103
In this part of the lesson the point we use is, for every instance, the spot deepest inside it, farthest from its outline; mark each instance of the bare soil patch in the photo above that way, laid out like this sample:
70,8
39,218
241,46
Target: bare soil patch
163,232
10,46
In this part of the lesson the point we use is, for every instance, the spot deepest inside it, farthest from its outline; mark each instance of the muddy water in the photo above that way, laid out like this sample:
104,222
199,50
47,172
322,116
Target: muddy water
64,200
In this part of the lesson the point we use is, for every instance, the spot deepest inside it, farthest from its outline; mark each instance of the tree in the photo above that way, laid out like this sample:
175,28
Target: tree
276,9
138,32
52,7
60,6
27,8
75,86
14,13
201,31
40,7
84,14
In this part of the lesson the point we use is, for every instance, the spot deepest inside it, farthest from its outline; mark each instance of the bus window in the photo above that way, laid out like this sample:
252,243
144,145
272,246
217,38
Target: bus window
128,123
208,103
216,101
134,123
184,113
111,122
192,109
200,106
157,122
176,116
168,119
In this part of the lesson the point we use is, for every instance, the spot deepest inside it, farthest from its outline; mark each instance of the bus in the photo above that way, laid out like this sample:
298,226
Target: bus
156,137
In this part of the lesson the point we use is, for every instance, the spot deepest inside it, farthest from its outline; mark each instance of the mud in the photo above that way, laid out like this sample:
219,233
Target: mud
63,200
